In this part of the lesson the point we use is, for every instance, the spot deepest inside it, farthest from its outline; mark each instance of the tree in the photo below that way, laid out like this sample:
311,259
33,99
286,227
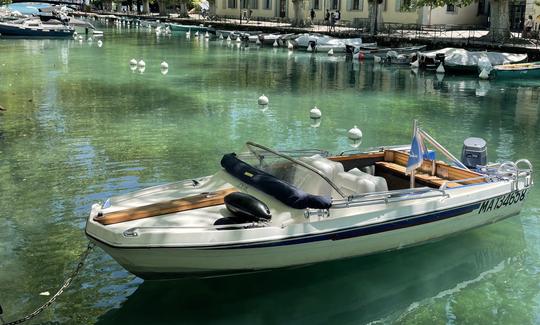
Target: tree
375,15
499,28
300,19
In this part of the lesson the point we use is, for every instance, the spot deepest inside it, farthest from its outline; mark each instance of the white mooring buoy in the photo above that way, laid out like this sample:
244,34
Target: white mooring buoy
440,68
99,43
132,62
220,36
415,64
310,47
206,35
290,46
197,33
331,52
355,136
275,44
141,64
484,75
263,100
164,65
164,71
377,59
315,113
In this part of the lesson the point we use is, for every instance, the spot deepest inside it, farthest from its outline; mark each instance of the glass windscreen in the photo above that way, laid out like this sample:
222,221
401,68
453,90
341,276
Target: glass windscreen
302,169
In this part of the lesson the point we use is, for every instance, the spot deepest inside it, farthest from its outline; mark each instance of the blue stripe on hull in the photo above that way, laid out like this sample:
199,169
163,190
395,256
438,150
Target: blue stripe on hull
361,231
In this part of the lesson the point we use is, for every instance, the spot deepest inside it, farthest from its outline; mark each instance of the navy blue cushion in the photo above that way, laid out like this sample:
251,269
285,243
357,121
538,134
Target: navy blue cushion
264,182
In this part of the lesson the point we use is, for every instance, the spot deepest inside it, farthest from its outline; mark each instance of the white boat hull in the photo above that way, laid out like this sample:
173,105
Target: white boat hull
170,261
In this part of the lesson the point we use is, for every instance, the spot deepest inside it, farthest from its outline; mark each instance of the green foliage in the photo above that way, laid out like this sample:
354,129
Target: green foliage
4,2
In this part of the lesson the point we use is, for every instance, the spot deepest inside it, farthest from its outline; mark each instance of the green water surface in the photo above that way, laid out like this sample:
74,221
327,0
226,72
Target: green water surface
80,126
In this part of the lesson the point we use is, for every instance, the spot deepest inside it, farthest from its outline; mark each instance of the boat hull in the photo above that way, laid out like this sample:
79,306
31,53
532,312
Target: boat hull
187,28
526,70
174,262
7,30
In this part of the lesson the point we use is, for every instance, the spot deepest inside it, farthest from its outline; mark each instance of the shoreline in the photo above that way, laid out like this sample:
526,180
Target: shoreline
433,38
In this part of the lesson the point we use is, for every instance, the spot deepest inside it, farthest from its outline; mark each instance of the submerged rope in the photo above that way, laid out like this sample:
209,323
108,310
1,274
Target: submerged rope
49,302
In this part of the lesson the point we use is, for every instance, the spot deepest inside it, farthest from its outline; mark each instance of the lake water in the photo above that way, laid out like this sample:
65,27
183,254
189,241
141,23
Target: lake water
80,126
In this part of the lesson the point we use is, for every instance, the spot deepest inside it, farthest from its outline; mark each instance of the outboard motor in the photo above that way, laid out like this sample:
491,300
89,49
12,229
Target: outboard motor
244,208
474,152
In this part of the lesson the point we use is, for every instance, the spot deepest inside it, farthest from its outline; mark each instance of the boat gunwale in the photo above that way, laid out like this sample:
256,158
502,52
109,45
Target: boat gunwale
473,205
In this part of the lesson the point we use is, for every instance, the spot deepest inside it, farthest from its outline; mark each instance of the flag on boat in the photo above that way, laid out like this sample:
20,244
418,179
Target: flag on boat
417,153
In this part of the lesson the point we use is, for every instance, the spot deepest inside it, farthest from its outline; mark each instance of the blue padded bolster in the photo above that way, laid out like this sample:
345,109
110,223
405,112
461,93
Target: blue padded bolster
264,182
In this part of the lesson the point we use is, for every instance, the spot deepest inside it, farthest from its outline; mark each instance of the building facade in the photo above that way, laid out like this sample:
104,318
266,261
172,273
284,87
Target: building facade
390,11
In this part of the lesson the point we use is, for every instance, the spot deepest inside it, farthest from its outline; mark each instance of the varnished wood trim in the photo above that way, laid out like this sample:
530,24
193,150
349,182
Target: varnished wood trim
198,201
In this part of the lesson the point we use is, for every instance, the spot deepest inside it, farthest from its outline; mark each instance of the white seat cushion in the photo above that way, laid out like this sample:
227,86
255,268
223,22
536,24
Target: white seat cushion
379,182
310,182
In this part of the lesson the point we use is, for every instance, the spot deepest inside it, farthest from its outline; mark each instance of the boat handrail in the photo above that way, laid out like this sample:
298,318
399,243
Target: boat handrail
506,164
387,196
297,153
301,163
515,172
135,231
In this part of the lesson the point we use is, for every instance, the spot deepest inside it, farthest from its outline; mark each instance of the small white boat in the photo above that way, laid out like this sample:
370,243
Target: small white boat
267,209
368,51
34,27
324,43
463,61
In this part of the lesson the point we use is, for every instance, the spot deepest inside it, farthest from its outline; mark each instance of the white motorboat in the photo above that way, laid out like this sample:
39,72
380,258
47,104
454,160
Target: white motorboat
463,61
368,52
324,43
268,209
34,27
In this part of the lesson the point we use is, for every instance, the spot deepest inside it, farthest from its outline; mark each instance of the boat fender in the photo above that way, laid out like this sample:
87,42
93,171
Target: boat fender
247,208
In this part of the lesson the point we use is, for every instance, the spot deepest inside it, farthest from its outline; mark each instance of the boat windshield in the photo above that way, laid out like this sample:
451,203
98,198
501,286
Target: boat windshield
307,170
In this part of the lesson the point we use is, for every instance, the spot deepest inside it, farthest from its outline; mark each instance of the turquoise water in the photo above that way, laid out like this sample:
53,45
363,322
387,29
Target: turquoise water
80,126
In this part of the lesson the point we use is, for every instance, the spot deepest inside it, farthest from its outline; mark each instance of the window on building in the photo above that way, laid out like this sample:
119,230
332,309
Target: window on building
450,8
335,4
244,4
231,4
267,4
385,5
357,5
254,4
316,4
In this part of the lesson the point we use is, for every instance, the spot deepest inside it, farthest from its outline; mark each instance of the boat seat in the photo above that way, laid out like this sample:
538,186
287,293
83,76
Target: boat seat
310,182
379,182
357,182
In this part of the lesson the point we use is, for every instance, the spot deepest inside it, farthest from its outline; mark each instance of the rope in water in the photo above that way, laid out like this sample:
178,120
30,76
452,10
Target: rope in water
49,302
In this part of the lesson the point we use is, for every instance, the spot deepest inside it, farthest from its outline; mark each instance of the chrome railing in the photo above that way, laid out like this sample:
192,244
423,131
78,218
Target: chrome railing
389,196
136,231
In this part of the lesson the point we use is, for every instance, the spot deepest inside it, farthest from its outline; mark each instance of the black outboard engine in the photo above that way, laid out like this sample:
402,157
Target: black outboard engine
474,152
244,208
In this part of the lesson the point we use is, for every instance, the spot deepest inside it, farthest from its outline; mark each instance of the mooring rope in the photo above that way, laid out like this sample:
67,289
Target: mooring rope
49,302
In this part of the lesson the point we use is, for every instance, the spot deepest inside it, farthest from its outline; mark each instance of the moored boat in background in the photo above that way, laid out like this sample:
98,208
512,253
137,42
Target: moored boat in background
34,27
518,70
463,61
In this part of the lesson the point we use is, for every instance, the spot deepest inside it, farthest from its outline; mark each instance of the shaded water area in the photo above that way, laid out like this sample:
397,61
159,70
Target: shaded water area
80,126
